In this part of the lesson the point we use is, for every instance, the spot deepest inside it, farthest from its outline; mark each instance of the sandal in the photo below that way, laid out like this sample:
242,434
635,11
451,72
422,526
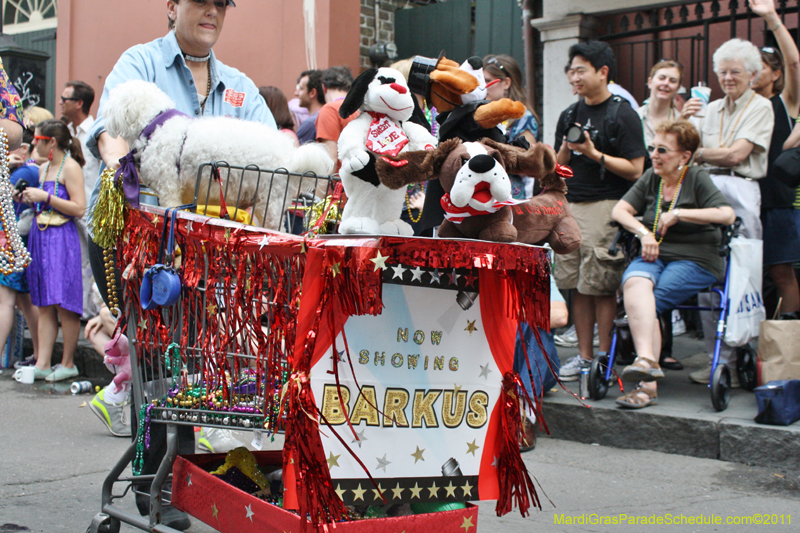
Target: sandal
640,371
632,400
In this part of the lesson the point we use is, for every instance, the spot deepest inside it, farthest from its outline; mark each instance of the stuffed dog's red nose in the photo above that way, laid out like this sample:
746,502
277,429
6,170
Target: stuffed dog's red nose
399,88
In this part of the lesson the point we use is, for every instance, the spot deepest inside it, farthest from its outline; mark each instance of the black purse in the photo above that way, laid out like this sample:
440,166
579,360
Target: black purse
786,168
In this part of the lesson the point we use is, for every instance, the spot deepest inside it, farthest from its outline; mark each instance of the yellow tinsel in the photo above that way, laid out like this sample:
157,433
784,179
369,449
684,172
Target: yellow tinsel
245,461
108,220
317,210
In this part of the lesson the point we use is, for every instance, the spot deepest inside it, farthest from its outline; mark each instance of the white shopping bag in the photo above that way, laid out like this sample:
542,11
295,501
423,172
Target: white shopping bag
746,309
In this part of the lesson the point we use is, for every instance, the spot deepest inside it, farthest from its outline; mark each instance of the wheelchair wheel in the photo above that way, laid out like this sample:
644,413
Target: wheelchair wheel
746,367
598,386
721,387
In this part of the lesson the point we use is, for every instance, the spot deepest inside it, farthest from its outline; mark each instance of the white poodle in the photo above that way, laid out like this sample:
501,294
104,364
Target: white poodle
169,160
386,104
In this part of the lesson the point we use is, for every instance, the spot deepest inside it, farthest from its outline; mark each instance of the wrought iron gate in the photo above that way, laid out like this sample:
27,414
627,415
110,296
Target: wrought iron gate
688,32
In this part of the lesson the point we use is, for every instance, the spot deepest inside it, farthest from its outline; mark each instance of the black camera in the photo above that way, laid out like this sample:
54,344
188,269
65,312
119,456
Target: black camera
575,133
21,185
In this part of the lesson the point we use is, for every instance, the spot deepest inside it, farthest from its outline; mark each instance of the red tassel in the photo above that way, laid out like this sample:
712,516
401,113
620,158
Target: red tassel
516,486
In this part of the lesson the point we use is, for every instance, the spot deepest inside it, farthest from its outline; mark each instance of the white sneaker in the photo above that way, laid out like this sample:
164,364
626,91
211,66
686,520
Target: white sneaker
217,440
702,376
568,339
572,368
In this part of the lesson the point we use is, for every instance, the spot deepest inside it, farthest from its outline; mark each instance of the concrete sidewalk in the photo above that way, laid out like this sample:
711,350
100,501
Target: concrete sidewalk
684,421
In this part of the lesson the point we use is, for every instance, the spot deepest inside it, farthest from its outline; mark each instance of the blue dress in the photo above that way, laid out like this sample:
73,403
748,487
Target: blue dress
54,276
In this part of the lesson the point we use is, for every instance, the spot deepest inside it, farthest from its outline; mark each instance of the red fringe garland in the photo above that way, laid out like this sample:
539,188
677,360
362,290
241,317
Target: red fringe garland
516,486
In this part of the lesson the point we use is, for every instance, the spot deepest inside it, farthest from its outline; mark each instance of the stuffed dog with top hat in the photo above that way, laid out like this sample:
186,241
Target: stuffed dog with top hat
478,203
382,129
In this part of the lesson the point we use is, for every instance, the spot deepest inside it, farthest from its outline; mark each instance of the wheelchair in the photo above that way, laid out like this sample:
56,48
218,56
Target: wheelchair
602,374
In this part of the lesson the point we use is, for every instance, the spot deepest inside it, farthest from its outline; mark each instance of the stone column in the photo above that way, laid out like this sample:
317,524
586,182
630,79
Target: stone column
557,35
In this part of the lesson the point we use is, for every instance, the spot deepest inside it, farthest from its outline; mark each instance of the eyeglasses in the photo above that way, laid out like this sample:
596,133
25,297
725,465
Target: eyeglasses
41,138
662,150
65,99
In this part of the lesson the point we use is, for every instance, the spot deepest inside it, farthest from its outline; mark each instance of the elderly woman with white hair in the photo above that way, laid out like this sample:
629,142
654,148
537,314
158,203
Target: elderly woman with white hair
736,134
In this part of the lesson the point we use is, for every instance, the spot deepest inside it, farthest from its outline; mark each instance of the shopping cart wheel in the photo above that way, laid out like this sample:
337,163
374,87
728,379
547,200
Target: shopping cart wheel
102,523
746,367
598,386
721,387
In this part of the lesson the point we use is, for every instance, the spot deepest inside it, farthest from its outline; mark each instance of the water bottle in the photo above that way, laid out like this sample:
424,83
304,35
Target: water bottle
584,384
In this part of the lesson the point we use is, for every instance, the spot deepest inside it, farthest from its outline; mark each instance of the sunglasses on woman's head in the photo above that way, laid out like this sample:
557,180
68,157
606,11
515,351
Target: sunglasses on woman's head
41,138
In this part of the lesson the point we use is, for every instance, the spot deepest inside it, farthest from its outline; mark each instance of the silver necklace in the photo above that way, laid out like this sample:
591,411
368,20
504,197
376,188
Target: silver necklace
14,257
196,59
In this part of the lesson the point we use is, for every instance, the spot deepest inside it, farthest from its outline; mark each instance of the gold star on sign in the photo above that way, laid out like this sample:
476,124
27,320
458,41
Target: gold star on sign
467,524
378,493
434,490
155,220
211,309
189,227
417,455
472,447
227,234
451,490
415,491
340,491
143,324
380,261
336,269
467,488
471,327
333,460
397,492
214,510
359,493
303,247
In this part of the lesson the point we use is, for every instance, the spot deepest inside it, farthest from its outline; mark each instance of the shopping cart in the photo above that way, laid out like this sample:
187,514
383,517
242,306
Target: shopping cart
217,357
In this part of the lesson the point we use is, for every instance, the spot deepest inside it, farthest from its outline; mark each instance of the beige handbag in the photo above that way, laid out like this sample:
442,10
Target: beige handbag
45,219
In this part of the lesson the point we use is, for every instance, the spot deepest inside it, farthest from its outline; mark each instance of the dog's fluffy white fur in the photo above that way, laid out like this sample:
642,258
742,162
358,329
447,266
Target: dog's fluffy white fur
185,143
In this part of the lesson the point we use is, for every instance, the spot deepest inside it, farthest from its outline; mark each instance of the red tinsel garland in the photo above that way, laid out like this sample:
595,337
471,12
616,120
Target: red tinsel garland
516,486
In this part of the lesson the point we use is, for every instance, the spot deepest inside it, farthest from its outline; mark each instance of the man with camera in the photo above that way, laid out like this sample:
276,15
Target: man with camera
601,138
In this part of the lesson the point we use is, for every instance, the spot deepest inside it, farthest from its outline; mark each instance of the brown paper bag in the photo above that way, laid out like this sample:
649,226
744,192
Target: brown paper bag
778,350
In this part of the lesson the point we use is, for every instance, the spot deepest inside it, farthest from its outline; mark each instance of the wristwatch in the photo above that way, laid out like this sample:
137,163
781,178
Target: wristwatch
642,232
677,213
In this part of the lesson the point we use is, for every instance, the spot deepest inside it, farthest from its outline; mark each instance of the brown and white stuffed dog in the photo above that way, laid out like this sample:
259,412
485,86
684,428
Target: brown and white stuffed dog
478,202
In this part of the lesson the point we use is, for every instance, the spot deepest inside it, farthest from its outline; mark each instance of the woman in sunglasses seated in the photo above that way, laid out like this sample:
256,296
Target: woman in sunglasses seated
680,256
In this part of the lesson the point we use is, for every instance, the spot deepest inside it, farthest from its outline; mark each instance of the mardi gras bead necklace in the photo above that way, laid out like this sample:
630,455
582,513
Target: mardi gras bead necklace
14,257
672,205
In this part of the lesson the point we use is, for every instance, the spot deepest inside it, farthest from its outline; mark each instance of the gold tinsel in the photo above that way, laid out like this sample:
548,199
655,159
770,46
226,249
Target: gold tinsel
108,219
316,211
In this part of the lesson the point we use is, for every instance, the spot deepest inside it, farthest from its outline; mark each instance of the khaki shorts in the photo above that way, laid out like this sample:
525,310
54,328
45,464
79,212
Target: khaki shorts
591,269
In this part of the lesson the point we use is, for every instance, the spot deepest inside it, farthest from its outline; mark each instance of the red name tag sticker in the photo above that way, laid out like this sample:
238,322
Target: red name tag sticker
234,98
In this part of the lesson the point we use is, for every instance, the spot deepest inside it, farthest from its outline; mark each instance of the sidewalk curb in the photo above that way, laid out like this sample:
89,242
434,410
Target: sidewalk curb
727,440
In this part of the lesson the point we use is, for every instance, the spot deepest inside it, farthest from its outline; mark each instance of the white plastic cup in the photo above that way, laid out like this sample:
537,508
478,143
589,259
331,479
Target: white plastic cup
703,93
26,374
